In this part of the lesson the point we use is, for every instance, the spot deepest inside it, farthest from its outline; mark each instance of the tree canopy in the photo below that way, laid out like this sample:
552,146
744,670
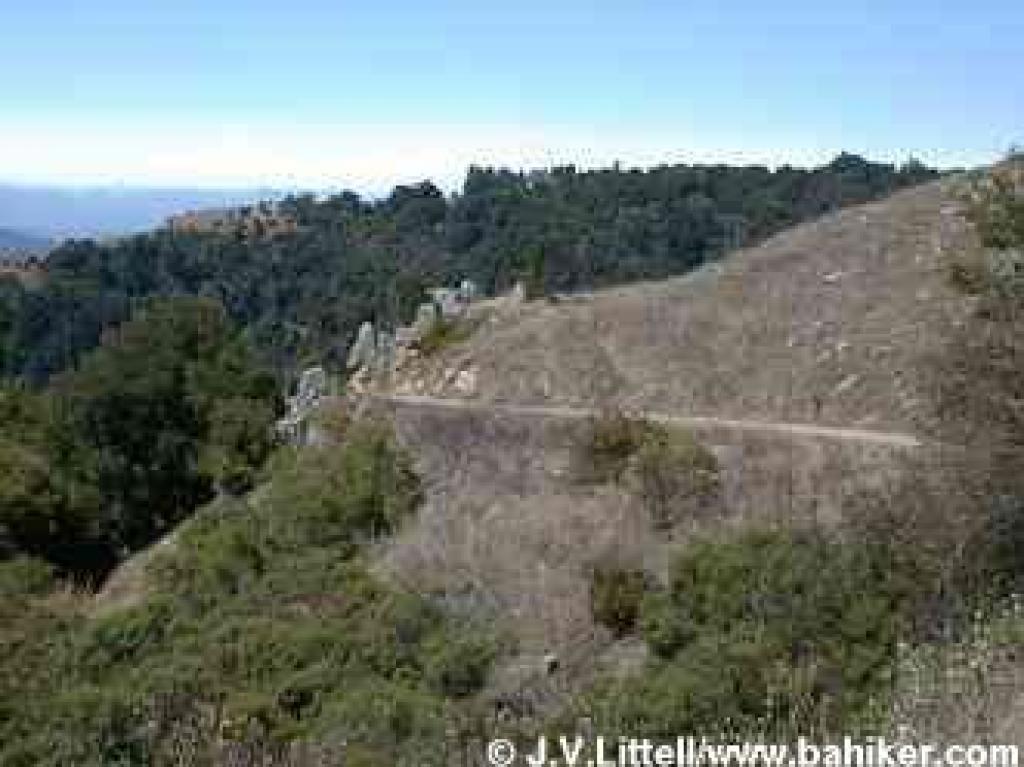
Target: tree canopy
301,294
169,408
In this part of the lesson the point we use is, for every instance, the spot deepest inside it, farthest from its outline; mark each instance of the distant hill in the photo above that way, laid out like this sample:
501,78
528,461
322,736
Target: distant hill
17,247
13,240
61,212
344,259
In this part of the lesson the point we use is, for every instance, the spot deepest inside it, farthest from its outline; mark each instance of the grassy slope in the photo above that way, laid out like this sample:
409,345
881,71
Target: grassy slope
839,322
828,322
507,533
761,335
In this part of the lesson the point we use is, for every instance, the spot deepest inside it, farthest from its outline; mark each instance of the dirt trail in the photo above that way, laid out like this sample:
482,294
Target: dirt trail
842,434
842,321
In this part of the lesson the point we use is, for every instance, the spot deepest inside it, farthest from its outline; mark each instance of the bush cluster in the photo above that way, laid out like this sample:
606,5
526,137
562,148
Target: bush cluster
445,333
615,597
170,409
305,293
754,631
675,477
262,627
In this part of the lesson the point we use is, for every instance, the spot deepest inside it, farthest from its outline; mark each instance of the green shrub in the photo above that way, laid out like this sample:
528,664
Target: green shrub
123,636
382,717
615,597
717,686
665,625
23,577
38,514
264,611
756,631
997,207
611,440
677,477
342,495
457,665
674,475
221,552
445,333
170,405
775,581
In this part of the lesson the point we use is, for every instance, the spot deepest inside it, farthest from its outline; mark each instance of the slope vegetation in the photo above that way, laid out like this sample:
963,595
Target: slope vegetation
832,323
717,501
806,366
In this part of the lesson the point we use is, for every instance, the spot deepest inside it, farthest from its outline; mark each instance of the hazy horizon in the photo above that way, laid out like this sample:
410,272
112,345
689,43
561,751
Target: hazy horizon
58,211
451,180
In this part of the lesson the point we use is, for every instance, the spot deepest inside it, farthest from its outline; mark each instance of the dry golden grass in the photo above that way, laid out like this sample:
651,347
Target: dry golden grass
825,323
838,322
510,531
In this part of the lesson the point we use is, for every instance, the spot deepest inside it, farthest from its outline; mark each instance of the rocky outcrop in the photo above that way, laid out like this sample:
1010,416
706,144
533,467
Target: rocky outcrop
296,426
453,303
363,350
376,353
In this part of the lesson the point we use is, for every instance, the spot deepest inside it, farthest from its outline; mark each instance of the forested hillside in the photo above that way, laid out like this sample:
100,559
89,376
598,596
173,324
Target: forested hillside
301,295
168,411
434,577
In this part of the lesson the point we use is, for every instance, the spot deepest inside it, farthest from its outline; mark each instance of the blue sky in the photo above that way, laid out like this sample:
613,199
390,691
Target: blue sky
331,92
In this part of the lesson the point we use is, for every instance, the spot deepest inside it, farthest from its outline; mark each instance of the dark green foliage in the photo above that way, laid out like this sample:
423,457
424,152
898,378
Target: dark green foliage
164,391
665,624
445,333
676,477
47,509
24,577
362,492
804,588
264,627
303,295
10,295
615,597
536,273
998,209
754,630
611,441
458,664
167,409
716,687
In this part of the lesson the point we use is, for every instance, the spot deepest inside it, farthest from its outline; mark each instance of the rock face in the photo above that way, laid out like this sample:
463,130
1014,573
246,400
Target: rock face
295,426
426,319
468,291
465,382
384,354
378,353
374,356
453,302
447,301
312,385
363,350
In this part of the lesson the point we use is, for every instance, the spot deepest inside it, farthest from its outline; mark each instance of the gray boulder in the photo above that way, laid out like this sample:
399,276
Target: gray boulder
312,385
364,349
426,318
468,291
384,356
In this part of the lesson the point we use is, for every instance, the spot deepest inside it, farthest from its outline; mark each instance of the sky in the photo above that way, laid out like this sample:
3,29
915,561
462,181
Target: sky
332,93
